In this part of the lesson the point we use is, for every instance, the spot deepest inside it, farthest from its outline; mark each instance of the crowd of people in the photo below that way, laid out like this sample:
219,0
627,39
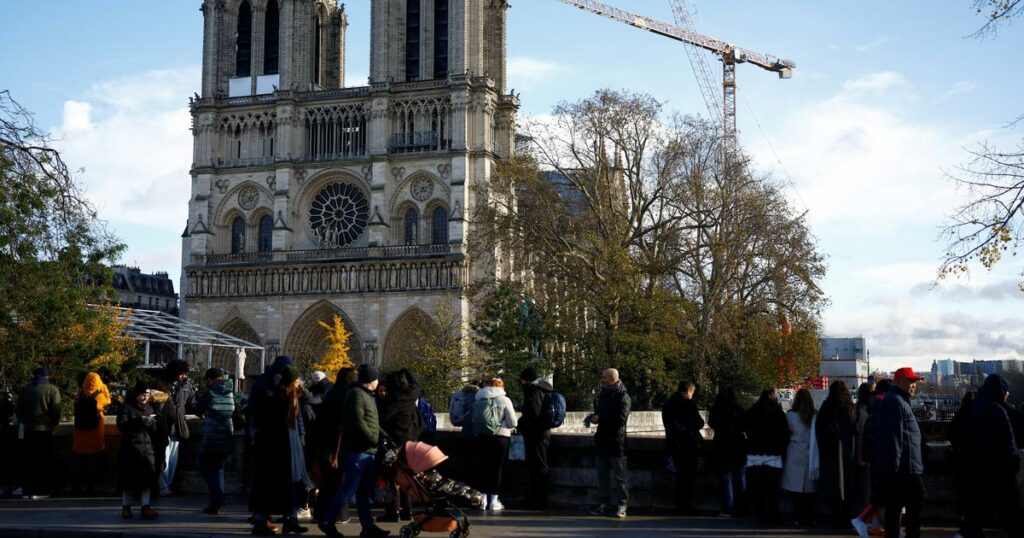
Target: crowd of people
315,446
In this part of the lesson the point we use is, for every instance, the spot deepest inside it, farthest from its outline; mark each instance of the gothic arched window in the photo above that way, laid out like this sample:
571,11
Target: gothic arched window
266,234
440,38
243,41
271,35
412,40
412,225
439,226
238,235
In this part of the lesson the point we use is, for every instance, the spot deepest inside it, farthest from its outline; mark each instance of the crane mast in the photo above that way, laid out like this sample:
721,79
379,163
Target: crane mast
730,54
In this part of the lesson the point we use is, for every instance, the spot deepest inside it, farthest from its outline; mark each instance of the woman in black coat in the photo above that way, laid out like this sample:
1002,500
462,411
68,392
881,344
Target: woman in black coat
730,451
834,429
137,471
272,482
400,420
767,439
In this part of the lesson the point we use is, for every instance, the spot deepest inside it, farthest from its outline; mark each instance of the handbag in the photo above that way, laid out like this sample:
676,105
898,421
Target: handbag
517,448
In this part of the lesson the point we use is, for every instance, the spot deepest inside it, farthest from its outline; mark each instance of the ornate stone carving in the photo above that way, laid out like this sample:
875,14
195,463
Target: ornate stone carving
368,172
399,173
339,214
445,170
422,189
248,197
300,176
222,185
272,182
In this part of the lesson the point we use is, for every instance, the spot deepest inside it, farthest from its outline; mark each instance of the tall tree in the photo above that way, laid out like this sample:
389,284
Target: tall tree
54,262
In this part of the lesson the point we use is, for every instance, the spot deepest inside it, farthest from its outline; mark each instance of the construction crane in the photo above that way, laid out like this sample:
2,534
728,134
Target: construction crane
730,54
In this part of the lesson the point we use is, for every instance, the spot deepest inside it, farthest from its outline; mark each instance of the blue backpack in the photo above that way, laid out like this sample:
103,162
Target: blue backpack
552,412
427,414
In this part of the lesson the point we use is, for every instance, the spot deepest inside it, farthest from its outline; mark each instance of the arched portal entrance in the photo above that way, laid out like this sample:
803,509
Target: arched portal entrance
225,357
307,342
402,335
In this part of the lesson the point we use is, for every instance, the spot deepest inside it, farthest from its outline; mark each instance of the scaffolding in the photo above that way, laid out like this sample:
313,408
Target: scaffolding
152,326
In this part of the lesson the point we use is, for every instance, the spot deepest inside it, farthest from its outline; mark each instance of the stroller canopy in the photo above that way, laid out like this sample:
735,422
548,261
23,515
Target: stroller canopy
420,456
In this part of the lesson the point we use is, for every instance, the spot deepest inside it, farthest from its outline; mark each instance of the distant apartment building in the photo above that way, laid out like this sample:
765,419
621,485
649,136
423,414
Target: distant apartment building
845,359
145,291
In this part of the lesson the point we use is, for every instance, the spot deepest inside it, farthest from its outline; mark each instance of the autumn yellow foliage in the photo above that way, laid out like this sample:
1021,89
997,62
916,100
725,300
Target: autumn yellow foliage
337,351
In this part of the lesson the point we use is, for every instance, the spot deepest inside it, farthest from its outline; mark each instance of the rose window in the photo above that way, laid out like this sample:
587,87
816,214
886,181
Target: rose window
338,215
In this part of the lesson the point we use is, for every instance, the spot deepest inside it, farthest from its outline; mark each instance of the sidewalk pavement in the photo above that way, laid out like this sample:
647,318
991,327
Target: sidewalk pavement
180,517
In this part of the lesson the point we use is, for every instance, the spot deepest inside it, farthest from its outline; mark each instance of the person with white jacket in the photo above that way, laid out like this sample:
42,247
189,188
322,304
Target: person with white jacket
802,460
494,418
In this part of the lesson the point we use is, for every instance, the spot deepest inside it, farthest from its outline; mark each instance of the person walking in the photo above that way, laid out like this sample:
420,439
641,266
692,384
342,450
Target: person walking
89,437
494,418
39,412
994,449
767,432
181,401
898,456
730,448
359,441
869,515
834,429
800,470
611,414
137,472
536,430
683,424
217,405
400,420
330,414
460,412
961,440
862,472
269,409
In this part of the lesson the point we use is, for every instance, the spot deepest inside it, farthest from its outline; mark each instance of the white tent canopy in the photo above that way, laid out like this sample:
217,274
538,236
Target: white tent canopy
152,326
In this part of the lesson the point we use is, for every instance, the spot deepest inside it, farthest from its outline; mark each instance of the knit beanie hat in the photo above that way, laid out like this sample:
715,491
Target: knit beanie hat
319,376
288,375
368,373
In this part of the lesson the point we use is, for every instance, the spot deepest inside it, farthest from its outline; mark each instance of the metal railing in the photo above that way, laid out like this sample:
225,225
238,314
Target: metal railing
330,254
418,141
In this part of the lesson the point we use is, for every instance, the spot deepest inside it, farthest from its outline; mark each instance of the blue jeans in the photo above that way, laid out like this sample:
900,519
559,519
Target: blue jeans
171,458
732,483
359,480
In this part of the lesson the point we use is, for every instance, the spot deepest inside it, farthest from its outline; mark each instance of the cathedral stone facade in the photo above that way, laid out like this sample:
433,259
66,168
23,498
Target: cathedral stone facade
311,199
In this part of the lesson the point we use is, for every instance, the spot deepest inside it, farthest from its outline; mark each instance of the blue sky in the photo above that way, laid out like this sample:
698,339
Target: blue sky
886,97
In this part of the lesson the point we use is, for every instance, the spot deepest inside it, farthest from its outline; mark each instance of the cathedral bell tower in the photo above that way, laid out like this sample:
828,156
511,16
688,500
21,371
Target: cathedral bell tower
312,200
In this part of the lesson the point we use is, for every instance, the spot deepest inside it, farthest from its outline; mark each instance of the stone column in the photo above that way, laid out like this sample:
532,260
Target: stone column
259,42
286,45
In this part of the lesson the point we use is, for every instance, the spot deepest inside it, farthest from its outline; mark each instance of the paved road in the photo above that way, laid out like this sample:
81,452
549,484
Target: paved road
180,518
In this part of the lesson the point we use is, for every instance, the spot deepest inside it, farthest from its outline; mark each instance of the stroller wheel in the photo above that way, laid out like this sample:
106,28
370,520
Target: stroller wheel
407,532
459,533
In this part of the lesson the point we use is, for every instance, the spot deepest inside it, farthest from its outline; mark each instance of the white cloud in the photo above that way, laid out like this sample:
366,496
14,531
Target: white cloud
884,80
957,89
77,116
527,73
873,44
132,137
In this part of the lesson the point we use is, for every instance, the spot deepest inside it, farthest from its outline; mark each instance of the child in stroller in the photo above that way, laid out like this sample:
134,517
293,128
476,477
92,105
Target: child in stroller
414,466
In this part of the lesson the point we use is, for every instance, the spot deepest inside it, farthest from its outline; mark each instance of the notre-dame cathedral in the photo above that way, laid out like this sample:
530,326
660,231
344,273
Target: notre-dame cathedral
311,199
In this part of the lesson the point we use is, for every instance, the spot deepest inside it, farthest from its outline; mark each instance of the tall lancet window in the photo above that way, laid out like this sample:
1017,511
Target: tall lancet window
412,231
243,41
318,45
266,234
439,226
440,38
271,33
238,235
412,40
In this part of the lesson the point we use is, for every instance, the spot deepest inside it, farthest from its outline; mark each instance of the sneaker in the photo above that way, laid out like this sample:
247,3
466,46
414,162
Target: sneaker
292,526
148,512
212,510
305,514
620,512
375,532
600,510
496,505
860,526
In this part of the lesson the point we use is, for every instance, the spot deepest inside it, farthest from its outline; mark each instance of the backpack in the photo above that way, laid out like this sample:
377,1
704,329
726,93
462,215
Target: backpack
486,416
552,411
427,414
458,409
87,417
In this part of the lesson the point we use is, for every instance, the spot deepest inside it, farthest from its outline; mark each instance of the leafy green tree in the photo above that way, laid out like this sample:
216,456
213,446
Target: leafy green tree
439,355
54,264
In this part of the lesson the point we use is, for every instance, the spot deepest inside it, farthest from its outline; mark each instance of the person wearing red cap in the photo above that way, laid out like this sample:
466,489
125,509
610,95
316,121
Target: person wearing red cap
898,455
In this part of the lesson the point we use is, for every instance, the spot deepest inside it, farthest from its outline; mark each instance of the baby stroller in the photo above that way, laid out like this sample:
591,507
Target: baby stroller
414,469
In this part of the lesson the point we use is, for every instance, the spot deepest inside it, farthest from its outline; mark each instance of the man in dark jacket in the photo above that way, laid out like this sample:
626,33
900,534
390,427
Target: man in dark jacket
996,461
683,424
611,415
400,419
217,405
536,437
898,456
359,439
181,401
39,412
